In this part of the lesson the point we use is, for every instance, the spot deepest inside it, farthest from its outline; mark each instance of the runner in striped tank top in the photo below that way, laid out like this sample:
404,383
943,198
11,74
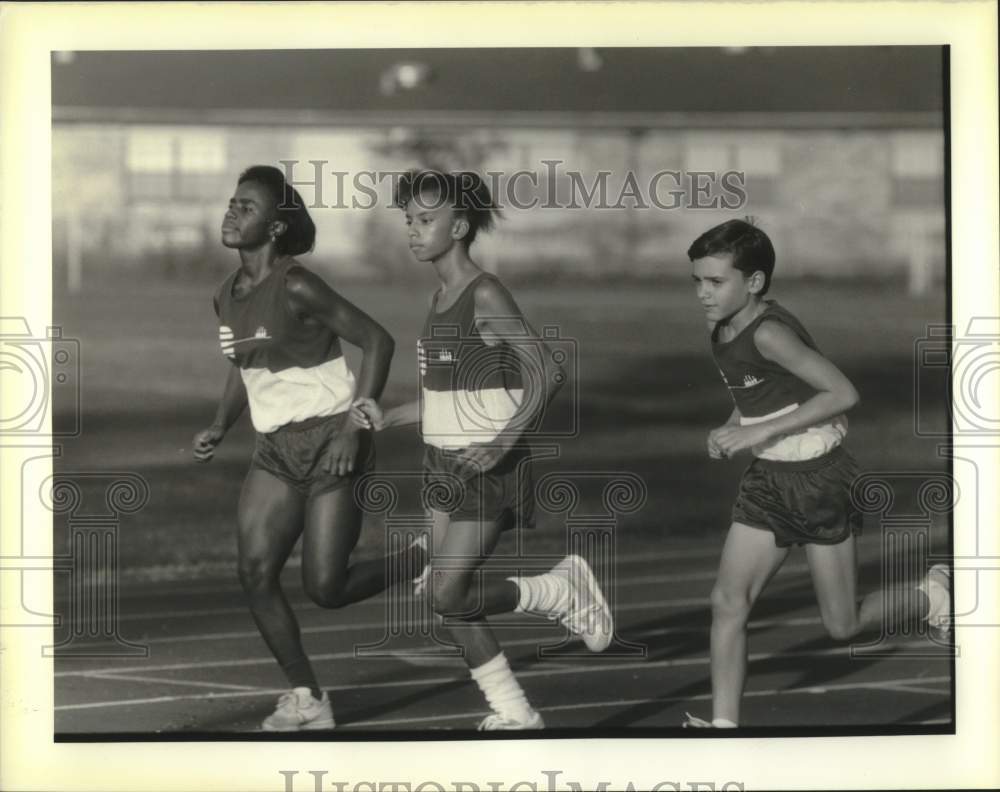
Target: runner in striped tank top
280,326
789,410
476,402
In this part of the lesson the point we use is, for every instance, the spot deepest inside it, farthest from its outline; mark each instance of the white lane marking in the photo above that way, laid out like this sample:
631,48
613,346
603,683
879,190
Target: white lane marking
497,623
597,667
925,690
424,654
621,580
159,589
640,702
194,585
168,681
403,604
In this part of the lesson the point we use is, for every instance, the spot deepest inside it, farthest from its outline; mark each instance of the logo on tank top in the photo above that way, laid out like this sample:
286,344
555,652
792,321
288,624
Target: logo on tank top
749,381
229,343
436,356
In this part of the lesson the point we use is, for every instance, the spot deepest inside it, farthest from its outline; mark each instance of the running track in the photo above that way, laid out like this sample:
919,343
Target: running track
208,671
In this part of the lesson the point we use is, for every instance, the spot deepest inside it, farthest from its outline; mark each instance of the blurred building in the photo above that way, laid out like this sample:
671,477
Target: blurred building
843,152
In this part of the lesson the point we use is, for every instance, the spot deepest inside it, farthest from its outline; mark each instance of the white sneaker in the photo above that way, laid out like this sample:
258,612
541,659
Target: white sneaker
299,711
937,586
420,581
497,722
587,614
696,723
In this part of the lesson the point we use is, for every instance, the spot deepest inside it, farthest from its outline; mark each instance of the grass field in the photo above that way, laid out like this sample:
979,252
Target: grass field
645,395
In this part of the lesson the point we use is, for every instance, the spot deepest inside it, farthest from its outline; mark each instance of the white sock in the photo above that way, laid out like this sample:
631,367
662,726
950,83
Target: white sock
723,723
502,691
546,594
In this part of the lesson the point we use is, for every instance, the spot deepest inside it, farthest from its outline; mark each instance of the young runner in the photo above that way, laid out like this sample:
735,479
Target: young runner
789,413
280,326
478,399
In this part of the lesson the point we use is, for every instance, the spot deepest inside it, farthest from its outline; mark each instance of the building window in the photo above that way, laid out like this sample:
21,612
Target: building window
917,154
705,160
762,158
760,161
707,156
175,165
916,164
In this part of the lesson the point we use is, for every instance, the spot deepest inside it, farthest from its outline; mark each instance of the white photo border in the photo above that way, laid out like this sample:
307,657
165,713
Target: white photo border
29,759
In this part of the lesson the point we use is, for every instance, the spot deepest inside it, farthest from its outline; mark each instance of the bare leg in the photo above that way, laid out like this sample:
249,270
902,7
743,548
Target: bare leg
464,596
749,560
461,593
834,572
270,521
332,527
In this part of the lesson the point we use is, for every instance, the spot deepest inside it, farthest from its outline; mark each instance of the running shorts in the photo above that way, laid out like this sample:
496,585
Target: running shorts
504,492
298,453
806,502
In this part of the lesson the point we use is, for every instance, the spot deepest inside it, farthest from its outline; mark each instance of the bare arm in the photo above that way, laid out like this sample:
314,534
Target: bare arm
233,401
231,406
714,449
368,413
834,392
499,320
403,415
311,296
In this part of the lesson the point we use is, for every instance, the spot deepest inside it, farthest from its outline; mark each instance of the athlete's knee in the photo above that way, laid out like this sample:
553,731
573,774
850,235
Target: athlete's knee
257,574
450,594
730,605
841,628
327,591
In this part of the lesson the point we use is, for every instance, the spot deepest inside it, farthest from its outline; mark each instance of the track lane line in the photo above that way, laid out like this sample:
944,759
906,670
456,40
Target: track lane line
925,690
539,625
601,667
403,604
196,588
168,681
767,693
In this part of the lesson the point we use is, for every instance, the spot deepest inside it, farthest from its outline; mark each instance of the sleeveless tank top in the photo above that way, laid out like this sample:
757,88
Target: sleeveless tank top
469,389
761,390
292,371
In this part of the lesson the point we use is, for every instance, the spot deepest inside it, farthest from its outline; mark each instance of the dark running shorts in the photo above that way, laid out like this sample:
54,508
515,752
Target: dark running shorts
805,502
297,454
505,492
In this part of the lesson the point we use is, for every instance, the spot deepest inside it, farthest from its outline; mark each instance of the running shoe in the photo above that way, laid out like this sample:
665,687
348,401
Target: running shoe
298,711
497,722
587,613
421,581
696,723
937,586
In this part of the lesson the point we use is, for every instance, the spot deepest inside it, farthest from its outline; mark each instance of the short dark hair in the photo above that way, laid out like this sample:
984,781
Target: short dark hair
750,247
300,234
464,191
